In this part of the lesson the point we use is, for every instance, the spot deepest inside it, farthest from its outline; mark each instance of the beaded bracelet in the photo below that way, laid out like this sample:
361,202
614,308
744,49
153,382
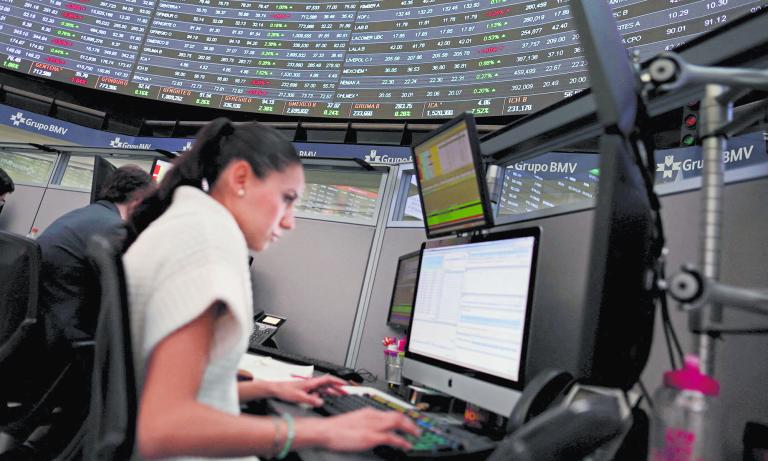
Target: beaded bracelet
291,433
276,441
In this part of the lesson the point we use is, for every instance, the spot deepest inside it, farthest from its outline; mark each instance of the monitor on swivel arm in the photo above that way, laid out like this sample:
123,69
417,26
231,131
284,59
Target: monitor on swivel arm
451,179
468,334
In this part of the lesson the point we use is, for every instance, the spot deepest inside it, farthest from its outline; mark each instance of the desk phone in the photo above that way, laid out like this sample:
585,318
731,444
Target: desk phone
264,327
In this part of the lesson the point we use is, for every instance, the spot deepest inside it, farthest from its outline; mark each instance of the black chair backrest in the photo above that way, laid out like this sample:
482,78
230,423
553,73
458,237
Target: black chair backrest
19,285
112,417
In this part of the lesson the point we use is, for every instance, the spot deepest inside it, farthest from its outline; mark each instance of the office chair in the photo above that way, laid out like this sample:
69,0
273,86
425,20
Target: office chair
109,431
19,282
21,337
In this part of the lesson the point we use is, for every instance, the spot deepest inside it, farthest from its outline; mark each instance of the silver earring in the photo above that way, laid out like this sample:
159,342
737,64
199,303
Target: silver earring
241,193
204,185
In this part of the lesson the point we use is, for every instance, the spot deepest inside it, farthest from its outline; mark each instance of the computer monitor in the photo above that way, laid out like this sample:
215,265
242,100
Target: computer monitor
401,304
468,336
102,170
451,179
159,168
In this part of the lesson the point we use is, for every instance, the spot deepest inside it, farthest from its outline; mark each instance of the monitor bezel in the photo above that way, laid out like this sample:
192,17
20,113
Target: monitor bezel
474,144
534,232
400,260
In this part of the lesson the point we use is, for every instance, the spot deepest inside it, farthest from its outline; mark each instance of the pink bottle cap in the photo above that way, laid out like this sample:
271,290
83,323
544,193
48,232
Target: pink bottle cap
691,378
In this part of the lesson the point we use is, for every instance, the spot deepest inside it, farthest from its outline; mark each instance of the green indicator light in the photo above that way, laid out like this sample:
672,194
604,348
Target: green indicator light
274,34
65,33
269,53
266,109
595,171
59,52
492,37
402,113
203,102
331,112
11,65
69,24
266,63
141,92
689,140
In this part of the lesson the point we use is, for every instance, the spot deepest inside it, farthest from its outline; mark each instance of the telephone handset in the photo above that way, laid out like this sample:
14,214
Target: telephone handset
558,419
264,327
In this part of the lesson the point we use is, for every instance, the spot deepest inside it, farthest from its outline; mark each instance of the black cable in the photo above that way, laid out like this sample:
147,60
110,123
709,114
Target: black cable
645,394
738,331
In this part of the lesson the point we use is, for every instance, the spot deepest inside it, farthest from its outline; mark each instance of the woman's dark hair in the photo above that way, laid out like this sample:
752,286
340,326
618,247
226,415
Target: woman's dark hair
216,144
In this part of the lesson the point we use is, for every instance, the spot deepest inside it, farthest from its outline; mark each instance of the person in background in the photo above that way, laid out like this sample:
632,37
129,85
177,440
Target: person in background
6,187
68,288
191,306
69,304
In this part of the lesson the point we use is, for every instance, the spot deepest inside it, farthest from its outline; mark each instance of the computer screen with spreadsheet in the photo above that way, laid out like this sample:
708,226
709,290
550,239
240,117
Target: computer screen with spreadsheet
471,315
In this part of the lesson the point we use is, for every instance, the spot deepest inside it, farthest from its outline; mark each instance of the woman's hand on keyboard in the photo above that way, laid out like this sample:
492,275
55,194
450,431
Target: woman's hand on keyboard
367,428
306,390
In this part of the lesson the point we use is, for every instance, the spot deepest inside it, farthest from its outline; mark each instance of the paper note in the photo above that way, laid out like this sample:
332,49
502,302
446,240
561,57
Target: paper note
268,369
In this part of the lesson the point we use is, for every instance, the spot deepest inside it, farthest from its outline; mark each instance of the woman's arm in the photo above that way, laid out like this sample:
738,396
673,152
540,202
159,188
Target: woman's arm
172,423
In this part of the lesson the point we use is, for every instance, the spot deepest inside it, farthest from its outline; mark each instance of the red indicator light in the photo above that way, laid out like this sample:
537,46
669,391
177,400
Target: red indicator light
73,6
260,82
256,92
53,60
281,16
690,121
61,42
69,15
79,80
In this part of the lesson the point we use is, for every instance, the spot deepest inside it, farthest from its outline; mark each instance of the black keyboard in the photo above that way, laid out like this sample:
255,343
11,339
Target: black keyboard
320,365
437,440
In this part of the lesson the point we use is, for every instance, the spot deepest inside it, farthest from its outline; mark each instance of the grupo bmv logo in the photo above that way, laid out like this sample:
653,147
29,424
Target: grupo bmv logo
691,166
668,166
18,119
118,143
375,157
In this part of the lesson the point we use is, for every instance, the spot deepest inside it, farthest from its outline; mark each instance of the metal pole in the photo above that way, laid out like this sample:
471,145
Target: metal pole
715,113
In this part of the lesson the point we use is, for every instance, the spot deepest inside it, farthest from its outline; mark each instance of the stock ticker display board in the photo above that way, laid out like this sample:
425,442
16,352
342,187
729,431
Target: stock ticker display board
384,59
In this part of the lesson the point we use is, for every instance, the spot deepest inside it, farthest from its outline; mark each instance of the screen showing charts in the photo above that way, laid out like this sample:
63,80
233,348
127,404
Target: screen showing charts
449,182
401,306
387,59
472,303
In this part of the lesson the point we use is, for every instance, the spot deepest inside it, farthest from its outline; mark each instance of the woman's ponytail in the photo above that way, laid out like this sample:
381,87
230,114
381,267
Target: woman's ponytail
215,145
200,164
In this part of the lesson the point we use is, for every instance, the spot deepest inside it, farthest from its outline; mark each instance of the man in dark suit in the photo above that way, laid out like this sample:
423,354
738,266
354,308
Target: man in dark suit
68,286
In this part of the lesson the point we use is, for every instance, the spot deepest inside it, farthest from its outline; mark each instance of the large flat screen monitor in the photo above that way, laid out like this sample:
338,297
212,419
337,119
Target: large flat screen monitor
401,305
451,179
468,336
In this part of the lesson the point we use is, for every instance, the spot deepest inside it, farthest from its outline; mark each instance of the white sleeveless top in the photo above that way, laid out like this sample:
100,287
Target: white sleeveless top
191,256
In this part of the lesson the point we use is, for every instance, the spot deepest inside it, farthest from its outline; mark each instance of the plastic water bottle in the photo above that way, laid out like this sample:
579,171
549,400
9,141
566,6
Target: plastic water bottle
686,424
